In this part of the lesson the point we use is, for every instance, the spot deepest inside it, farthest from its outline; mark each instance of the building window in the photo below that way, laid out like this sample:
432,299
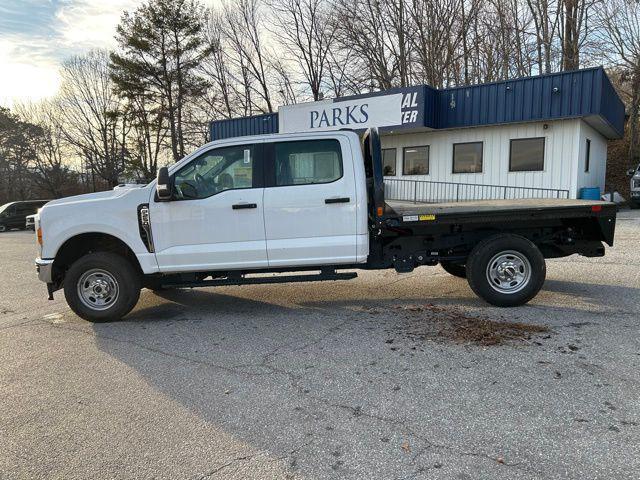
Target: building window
587,156
527,155
308,162
389,162
415,160
467,157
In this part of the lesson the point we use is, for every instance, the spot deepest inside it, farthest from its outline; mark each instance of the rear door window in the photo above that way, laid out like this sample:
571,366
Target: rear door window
307,162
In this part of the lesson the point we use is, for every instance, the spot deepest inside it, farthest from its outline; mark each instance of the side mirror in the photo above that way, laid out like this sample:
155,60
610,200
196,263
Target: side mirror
631,172
163,186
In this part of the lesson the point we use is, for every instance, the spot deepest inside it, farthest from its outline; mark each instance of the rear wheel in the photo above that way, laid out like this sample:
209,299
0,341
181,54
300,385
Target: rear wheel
506,270
3,228
102,287
456,269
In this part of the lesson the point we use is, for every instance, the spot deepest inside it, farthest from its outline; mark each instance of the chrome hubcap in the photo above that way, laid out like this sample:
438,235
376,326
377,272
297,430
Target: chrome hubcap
98,289
508,272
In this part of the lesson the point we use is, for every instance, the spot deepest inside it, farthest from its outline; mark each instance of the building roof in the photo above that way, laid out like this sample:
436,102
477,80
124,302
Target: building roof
586,94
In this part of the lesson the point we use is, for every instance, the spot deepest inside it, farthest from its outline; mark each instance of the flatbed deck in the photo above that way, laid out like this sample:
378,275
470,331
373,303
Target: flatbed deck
432,218
402,208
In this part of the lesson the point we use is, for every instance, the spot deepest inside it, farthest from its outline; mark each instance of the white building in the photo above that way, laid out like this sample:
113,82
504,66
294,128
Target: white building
543,136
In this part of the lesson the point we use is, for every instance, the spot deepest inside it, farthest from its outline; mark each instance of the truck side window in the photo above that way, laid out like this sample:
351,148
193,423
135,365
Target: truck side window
215,171
307,162
24,209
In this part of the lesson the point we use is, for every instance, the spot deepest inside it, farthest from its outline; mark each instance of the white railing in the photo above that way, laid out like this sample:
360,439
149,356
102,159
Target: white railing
427,191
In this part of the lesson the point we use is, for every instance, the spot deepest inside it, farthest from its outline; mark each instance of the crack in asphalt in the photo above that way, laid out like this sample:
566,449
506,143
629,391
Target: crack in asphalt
244,458
295,384
358,412
21,324
228,464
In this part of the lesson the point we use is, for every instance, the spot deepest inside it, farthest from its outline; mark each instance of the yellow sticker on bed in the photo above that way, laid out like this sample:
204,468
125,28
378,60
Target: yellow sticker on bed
427,218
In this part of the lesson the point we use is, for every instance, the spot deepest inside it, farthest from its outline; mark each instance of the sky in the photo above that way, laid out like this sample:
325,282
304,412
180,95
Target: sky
37,35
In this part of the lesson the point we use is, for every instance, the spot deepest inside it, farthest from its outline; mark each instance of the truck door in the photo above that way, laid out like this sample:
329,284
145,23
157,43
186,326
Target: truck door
310,203
215,220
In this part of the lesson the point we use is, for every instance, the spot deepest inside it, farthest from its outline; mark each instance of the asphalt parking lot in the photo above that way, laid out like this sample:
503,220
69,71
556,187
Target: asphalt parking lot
372,378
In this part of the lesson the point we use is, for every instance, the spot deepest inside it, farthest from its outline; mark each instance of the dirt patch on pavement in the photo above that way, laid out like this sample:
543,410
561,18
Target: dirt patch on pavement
451,324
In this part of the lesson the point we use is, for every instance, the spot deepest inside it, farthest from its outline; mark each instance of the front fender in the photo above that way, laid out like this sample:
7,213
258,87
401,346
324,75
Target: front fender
117,217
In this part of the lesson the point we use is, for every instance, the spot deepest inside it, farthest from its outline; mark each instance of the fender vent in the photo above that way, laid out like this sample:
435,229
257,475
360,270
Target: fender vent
144,224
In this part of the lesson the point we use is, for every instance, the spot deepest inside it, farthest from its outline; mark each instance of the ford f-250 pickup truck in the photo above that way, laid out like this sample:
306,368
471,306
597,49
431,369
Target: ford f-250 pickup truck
310,204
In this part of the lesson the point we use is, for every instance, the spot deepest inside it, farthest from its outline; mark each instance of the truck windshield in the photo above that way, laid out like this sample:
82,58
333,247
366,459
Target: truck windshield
4,207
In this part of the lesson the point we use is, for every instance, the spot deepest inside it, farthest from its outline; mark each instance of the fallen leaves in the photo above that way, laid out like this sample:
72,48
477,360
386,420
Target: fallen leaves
452,324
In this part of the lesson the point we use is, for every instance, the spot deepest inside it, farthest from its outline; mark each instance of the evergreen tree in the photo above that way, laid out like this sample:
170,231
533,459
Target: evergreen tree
161,46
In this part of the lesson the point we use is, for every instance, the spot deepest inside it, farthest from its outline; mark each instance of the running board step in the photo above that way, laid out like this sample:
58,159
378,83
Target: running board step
323,277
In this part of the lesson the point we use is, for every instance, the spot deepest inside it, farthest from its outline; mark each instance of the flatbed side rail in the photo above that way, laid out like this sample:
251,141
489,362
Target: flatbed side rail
428,191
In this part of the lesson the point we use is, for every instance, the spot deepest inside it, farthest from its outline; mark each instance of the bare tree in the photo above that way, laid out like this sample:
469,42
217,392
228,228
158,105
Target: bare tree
437,36
546,15
221,98
575,30
344,77
620,28
243,31
303,29
51,173
92,115
17,150
374,32
147,137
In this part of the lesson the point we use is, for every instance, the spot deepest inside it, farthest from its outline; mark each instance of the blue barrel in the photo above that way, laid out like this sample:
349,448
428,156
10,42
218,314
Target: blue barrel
590,193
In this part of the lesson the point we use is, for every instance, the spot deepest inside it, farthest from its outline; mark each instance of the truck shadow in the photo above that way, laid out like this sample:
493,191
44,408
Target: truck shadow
598,296
299,384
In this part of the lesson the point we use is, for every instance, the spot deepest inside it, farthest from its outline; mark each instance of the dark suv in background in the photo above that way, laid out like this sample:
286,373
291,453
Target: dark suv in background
13,214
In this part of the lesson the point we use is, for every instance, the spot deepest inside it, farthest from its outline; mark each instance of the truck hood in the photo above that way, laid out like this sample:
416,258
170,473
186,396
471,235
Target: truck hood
113,212
118,192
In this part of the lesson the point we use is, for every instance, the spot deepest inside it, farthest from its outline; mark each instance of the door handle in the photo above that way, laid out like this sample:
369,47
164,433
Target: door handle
242,206
337,200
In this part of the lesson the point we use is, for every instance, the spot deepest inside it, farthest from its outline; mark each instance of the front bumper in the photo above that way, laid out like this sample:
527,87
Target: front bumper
45,270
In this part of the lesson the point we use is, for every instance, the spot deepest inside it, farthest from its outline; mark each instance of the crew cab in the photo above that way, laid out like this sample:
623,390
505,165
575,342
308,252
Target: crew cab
311,205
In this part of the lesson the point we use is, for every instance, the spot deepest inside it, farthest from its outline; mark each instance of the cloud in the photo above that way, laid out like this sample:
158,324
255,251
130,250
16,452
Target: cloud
26,77
28,17
37,35
91,23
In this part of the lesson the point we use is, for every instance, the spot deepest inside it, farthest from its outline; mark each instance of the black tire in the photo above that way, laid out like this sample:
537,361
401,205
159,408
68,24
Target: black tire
521,263
113,268
3,228
456,269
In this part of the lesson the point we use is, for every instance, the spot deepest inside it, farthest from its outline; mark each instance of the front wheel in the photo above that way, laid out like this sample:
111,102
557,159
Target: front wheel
506,270
102,287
